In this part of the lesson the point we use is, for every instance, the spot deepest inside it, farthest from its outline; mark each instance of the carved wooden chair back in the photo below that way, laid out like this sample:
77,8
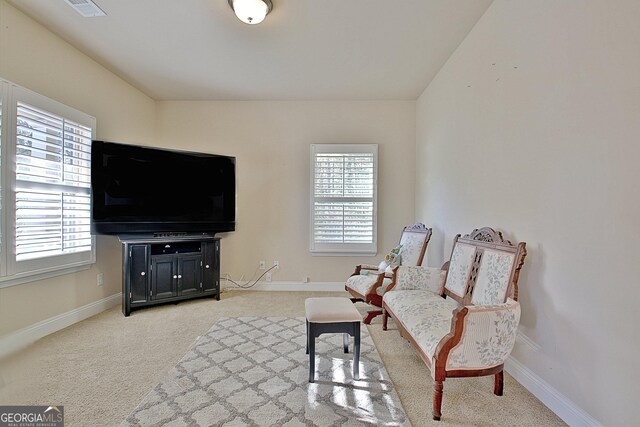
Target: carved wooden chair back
484,268
414,241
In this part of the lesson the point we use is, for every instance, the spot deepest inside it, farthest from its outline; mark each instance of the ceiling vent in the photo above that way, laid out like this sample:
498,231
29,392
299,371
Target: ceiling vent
86,8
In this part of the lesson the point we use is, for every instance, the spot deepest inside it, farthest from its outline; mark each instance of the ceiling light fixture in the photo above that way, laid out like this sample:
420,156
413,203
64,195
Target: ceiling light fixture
251,11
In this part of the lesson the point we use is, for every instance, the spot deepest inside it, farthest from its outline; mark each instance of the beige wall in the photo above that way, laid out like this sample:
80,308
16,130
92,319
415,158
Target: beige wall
271,142
273,165
34,58
533,127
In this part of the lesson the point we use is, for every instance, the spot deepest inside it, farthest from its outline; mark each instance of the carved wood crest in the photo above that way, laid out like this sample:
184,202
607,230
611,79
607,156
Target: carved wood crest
487,234
418,227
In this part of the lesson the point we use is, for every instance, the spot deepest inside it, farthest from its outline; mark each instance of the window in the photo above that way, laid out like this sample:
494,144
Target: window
45,171
343,199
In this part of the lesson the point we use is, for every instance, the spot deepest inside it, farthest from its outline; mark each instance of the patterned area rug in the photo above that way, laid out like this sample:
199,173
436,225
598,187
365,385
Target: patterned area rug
253,371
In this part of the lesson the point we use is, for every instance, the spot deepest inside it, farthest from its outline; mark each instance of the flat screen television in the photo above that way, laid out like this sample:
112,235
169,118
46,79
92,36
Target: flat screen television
143,190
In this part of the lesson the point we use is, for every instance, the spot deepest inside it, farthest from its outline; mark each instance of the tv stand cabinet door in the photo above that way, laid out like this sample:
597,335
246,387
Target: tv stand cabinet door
164,276
190,274
139,274
211,267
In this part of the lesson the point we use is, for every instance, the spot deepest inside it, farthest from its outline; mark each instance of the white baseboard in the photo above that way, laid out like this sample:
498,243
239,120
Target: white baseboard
23,337
287,286
562,406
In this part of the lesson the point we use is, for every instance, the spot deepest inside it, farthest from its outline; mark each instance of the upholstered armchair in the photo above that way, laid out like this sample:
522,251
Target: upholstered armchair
461,320
368,283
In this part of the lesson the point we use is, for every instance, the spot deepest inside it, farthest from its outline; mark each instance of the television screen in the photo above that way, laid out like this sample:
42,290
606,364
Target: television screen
149,190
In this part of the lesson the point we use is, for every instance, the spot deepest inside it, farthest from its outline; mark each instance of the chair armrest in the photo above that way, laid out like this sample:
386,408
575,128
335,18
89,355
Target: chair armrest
386,281
367,267
418,278
488,335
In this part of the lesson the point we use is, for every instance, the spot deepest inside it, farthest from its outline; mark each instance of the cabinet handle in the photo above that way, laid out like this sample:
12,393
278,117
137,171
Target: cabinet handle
206,266
179,276
175,277
143,273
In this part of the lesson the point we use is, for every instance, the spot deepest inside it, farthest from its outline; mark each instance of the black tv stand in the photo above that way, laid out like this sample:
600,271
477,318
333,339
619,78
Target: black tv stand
168,267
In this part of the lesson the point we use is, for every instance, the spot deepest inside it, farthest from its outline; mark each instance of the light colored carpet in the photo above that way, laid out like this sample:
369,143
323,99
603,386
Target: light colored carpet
253,371
103,367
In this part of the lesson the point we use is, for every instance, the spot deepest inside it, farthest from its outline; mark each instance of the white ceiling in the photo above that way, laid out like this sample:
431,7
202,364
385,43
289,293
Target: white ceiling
304,50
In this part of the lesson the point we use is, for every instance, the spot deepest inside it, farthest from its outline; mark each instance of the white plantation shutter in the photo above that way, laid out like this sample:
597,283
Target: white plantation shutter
45,180
53,166
343,198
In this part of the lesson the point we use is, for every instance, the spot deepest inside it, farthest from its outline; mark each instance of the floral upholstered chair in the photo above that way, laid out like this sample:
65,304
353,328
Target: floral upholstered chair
462,319
369,282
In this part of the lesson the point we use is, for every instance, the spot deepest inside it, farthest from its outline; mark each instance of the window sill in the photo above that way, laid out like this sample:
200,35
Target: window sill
21,278
357,253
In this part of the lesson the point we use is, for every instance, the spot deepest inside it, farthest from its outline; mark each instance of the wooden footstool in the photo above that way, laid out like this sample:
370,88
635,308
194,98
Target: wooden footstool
332,314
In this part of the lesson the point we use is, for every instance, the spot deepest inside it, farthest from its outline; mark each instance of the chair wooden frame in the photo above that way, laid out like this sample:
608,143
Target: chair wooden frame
484,238
372,297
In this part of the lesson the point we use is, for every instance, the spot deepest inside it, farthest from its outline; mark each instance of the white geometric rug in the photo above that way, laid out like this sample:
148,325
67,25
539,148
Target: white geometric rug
253,371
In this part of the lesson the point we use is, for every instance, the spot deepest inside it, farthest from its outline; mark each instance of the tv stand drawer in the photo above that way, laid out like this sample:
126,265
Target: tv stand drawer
175,247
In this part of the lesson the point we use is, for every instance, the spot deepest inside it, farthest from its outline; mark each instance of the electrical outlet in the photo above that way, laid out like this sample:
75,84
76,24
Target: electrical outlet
268,277
100,279
276,264
263,265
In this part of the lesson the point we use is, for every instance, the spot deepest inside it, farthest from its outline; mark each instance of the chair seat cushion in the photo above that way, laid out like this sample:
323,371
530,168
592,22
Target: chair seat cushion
426,316
363,283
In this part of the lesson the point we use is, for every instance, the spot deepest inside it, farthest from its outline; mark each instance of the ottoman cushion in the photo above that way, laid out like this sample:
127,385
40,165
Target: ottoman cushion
331,310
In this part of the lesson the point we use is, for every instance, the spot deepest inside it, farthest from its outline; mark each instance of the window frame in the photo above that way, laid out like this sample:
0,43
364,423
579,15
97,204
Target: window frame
13,272
343,249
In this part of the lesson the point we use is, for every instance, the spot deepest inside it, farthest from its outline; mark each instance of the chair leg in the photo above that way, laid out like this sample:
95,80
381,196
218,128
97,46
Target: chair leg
498,387
345,343
311,340
385,317
371,315
437,400
356,351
